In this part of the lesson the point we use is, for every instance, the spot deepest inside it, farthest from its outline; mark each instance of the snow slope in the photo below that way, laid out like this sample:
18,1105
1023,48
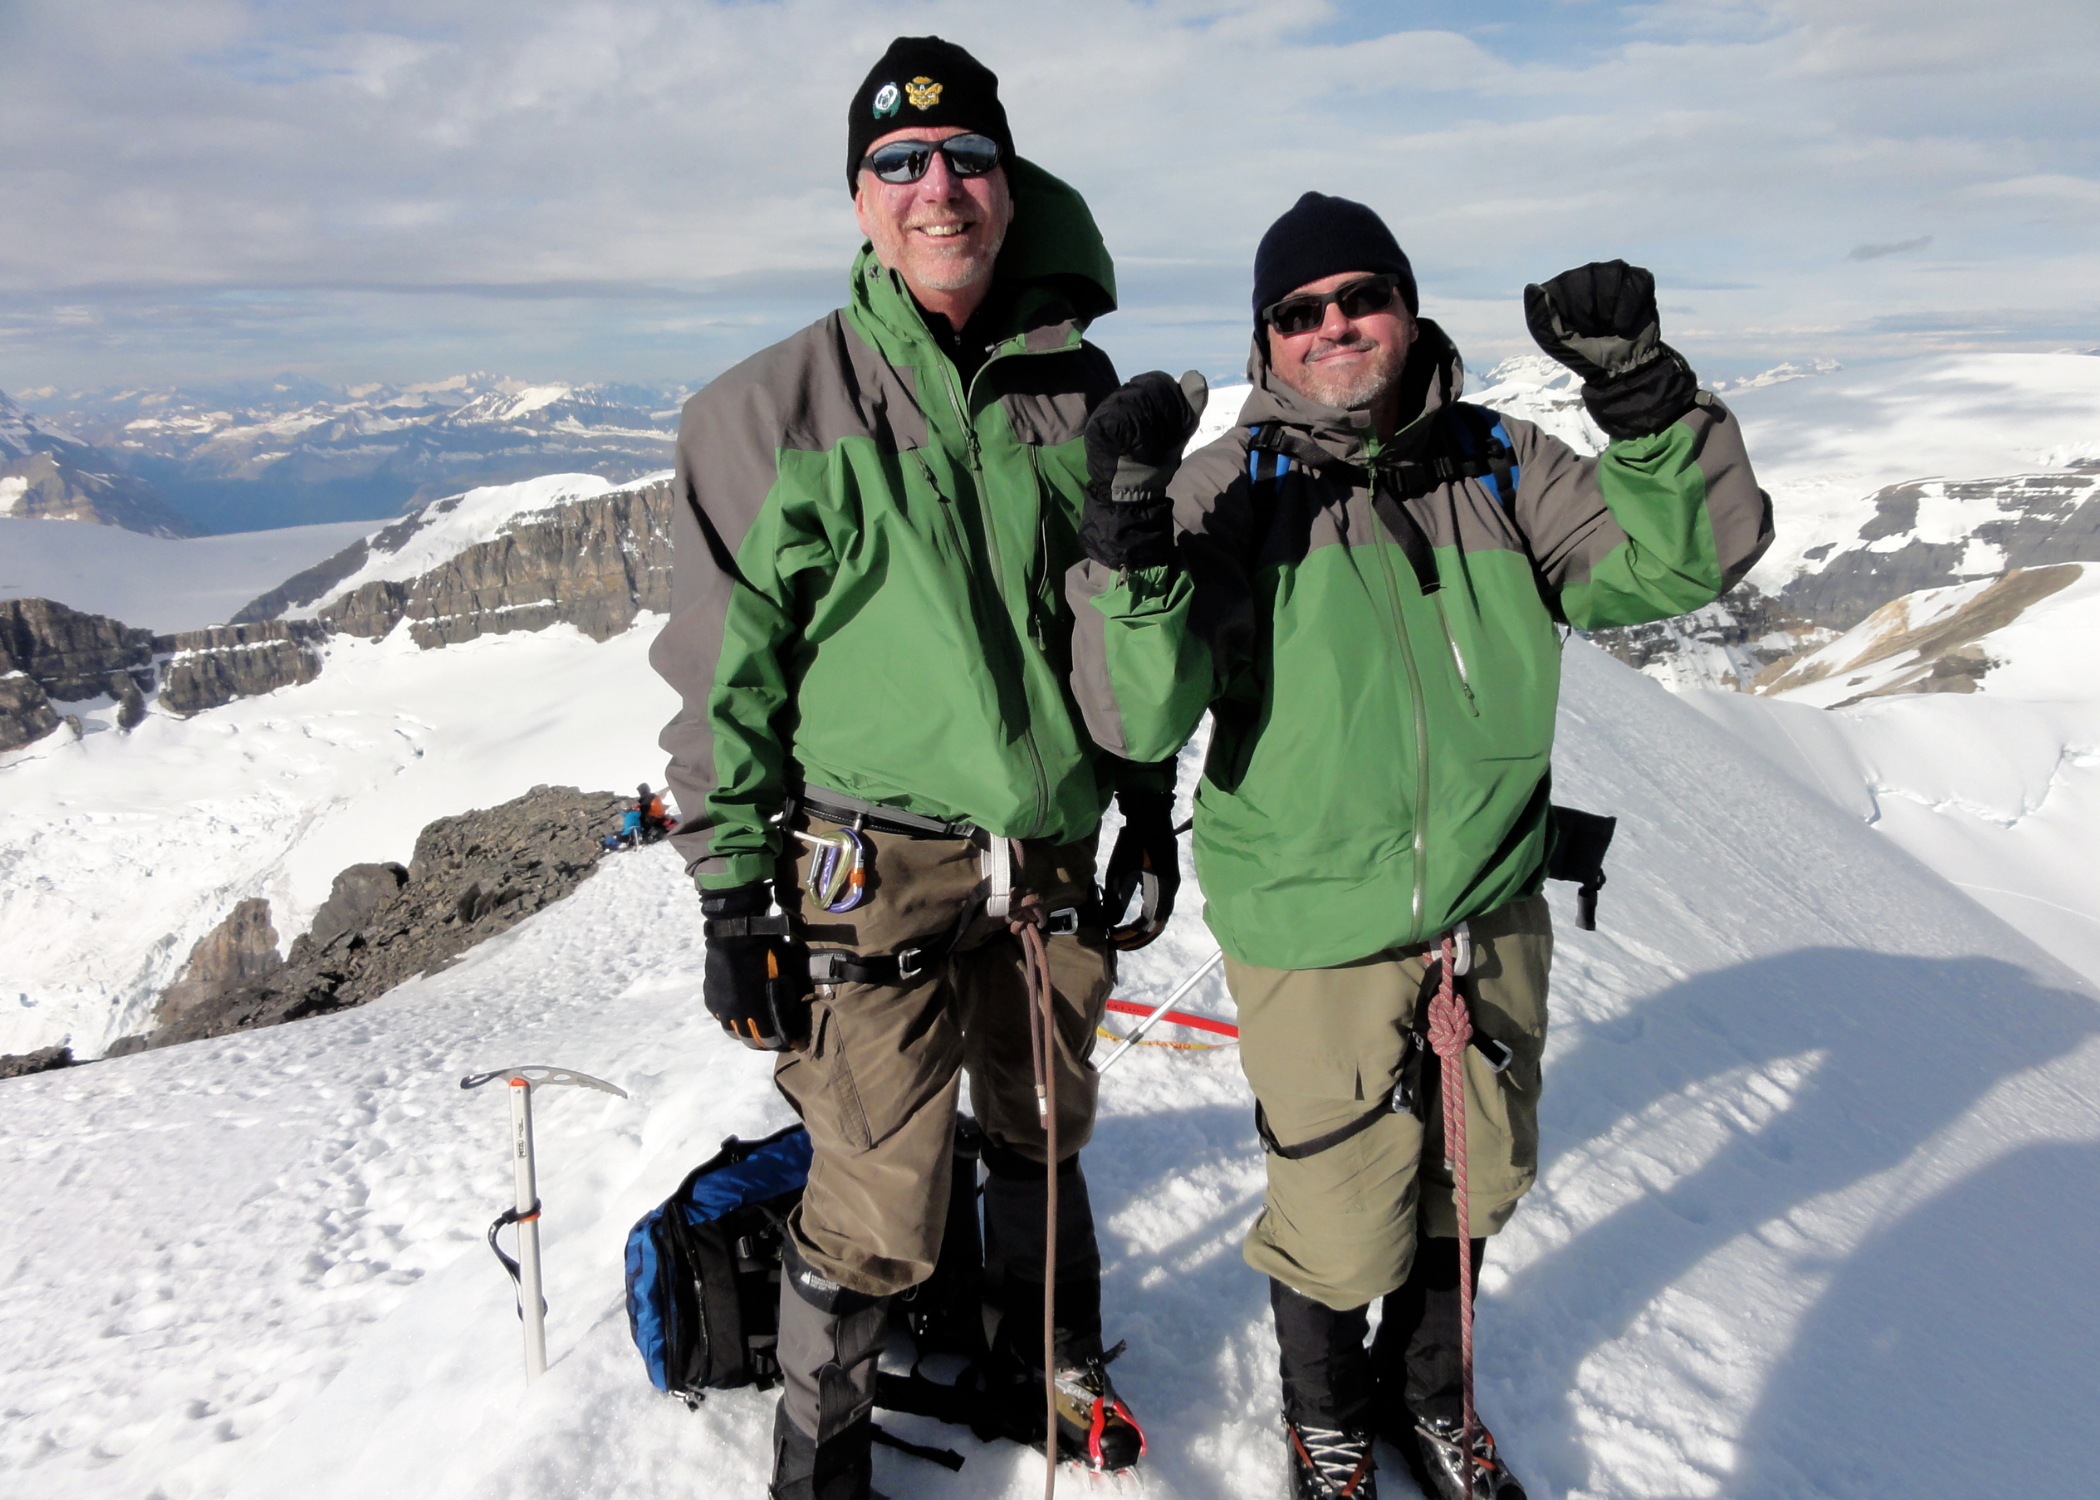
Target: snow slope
120,851
1997,789
163,584
1807,1219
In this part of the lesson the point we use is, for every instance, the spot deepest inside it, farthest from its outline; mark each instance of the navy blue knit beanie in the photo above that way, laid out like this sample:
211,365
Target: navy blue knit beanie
923,80
1323,236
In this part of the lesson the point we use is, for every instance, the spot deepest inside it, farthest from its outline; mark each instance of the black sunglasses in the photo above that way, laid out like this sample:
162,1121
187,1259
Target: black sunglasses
907,161
1358,299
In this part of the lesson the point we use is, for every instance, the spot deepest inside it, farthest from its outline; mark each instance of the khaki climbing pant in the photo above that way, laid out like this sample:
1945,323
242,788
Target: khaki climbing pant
879,1082
1321,1047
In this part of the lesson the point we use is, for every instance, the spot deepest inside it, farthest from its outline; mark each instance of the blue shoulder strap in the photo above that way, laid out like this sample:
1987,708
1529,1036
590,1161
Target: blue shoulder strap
1499,462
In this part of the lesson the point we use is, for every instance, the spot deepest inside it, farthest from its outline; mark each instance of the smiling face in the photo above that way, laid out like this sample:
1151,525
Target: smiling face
941,233
1345,362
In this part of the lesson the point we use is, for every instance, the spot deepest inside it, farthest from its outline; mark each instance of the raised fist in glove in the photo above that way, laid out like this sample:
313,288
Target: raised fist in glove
1144,863
757,979
1133,446
1600,321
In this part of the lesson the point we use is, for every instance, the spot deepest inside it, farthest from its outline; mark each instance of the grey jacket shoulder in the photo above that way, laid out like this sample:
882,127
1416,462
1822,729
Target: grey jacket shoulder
805,393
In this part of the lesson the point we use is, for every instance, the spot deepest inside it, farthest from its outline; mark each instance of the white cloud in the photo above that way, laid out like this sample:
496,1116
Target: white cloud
161,155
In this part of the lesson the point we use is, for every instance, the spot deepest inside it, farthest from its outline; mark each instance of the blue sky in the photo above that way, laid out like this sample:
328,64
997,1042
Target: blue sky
649,191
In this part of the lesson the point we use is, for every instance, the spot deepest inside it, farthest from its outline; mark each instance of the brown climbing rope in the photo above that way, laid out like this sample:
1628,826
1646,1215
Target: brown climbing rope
1025,920
1450,1029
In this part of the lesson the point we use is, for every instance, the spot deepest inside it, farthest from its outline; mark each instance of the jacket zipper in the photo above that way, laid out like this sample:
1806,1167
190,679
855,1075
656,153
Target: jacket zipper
1465,684
1414,683
1041,777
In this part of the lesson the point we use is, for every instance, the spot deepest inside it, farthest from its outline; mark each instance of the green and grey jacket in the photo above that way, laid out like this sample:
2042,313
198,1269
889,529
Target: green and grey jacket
1378,646
868,593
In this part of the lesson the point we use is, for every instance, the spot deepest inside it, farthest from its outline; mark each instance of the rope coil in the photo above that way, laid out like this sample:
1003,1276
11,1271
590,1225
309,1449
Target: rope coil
1450,1029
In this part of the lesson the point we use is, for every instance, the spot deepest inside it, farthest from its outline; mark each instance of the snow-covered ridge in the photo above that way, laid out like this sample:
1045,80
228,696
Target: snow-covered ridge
441,530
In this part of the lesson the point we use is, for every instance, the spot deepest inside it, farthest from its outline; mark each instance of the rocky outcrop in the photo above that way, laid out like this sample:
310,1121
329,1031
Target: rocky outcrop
69,654
472,877
44,1060
202,669
48,651
2030,520
26,714
595,564
1945,654
240,950
1739,635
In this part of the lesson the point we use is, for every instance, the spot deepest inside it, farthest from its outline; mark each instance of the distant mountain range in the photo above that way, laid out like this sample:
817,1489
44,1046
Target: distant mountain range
292,452
47,474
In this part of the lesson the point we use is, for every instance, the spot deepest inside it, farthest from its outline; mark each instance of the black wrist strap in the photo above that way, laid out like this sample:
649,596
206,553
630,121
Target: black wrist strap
779,924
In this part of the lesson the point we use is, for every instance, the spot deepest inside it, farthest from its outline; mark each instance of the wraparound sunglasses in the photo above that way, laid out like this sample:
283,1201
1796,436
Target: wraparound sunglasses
1357,299
907,161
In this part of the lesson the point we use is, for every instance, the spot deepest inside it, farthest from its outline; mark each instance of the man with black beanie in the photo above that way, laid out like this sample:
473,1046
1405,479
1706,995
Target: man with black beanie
1364,584
884,776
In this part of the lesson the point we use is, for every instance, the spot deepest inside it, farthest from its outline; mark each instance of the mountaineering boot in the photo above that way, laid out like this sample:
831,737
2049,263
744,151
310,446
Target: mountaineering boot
1327,1395
1438,1463
1418,1357
1094,1424
830,1339
1327,1462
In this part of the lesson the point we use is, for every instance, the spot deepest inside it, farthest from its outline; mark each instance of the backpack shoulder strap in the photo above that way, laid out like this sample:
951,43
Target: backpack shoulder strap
1484,449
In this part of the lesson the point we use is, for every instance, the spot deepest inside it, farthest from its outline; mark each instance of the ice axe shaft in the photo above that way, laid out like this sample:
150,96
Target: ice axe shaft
532,1308
1161,1009
528,1221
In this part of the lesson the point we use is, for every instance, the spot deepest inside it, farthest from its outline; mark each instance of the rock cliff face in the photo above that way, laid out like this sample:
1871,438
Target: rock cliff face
202,669
49,652
594,564
472,877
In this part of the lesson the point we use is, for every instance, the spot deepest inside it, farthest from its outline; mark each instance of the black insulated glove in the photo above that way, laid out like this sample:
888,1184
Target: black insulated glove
757,981
1145,863
1134,440
1601,322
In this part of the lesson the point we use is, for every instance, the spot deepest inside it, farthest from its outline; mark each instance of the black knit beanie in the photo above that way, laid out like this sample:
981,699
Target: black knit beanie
923,80
1323,236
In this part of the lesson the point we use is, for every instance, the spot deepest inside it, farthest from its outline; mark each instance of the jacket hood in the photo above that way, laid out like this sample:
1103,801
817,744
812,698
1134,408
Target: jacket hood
1054,267
1315,434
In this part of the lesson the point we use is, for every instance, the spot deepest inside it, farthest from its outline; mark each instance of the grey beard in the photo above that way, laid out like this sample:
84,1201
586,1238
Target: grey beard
965,273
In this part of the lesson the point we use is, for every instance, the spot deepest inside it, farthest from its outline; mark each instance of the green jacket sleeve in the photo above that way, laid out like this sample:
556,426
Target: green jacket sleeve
1153,647
1649,528
728,646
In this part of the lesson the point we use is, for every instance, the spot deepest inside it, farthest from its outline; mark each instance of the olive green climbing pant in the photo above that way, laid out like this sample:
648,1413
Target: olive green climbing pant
1322,1047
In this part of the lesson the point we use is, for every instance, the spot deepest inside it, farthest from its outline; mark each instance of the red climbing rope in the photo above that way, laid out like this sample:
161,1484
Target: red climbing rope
1450,1029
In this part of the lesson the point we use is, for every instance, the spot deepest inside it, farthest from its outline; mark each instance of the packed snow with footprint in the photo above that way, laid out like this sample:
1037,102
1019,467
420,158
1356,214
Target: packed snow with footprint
1810,1217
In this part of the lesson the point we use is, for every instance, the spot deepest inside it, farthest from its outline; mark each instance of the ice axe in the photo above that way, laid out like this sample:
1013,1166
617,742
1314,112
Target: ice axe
525,1270
1161,1009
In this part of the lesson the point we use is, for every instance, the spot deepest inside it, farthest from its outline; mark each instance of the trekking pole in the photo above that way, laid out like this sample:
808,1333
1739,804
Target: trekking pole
1161,1009
525,1270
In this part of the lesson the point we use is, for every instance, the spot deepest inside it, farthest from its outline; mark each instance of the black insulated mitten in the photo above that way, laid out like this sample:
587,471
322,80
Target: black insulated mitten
1134,441
1600,320
757,978
1145,863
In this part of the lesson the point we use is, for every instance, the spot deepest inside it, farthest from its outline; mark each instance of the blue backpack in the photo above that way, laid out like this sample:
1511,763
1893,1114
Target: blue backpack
703,1268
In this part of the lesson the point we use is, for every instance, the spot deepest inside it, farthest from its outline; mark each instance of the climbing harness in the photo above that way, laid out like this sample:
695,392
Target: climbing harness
1405,1096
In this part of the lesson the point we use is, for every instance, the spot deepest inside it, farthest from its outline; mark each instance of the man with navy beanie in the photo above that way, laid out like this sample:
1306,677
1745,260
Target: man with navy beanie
884,776
1363,584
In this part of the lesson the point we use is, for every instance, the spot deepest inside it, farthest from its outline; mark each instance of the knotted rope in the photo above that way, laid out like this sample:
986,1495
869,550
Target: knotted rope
1450,1030
1025,920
